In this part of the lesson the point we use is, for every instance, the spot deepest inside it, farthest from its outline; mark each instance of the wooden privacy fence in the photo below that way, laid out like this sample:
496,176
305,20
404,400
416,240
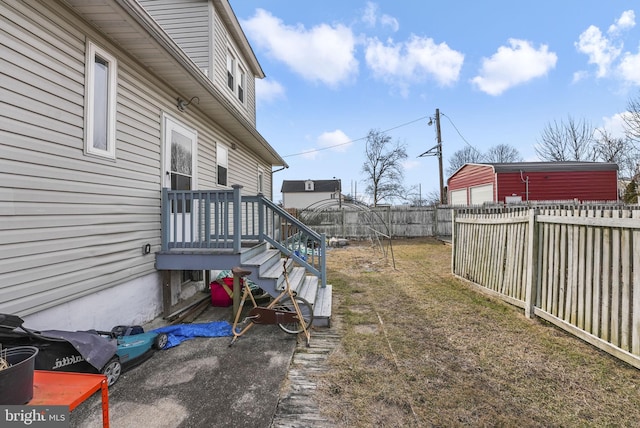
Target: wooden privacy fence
576,268
360,221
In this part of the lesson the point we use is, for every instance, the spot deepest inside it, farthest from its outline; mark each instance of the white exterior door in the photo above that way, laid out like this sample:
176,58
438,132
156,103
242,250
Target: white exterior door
179,172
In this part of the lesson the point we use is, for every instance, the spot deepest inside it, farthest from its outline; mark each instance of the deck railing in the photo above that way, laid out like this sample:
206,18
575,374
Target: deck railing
224,219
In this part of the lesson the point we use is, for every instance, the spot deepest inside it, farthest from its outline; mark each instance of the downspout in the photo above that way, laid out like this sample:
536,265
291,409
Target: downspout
526,186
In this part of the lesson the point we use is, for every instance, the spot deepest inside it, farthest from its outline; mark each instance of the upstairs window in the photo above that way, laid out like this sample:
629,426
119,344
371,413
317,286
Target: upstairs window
236,77
241,84
223,163
231,68
100,102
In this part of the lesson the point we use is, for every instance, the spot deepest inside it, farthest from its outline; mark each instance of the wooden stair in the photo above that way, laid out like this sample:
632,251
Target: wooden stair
267,271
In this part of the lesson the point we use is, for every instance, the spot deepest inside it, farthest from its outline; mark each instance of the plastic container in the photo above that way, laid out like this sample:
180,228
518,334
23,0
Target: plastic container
16,381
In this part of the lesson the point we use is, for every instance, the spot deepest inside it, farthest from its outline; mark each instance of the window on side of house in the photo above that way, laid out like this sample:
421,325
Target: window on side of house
100,102
260,180
223,164
231,71
242,80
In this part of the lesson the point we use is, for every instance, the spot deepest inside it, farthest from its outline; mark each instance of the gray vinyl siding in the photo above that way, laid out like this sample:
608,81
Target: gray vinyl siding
72,224
187,22
221,44
191,24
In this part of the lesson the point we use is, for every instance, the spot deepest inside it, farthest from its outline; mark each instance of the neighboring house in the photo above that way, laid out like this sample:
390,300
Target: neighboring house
478,183
303,194
102,109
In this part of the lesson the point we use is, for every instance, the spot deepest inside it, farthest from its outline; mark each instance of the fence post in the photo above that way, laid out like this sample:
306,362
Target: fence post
237,218
454,214
434,228
532,266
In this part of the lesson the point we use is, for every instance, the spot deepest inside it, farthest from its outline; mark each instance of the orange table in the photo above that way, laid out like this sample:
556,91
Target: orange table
69,389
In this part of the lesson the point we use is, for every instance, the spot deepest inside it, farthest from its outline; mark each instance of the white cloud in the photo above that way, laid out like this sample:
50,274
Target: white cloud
335,140
579,75
370,14
268,90
403,64
600,50
629,68
514,65
614,125
371,18
627,20
323,53
603,50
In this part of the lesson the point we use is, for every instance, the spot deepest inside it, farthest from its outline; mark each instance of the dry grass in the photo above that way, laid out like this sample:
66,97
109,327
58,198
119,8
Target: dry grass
421,348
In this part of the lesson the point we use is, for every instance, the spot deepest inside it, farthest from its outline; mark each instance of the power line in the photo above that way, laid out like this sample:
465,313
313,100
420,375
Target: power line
357,139
461,136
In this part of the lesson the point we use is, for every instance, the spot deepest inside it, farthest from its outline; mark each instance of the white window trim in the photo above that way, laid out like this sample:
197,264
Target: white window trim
231,58
242,84
91,52
239,74
226,165
260,183
169,124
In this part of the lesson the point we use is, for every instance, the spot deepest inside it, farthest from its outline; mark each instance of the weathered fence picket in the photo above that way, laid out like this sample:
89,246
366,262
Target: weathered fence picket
578,268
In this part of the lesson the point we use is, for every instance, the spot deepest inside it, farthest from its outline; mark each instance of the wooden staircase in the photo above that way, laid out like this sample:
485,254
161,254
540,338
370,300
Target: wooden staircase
267,271
223,229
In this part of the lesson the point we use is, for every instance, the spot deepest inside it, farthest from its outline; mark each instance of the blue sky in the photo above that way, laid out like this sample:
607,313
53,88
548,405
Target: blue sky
499,71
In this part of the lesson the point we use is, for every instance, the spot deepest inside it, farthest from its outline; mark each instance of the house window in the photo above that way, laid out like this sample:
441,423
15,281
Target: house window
260,180
223,164
100,102
231,67
241,85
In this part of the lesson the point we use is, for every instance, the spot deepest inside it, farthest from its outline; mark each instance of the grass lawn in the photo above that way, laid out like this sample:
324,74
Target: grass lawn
421,348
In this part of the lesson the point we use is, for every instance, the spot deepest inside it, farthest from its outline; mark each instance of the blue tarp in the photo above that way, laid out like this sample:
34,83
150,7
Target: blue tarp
181,332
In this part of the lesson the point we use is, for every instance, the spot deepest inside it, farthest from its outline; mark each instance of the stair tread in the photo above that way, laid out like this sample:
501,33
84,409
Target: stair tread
261,258
275,271
322,307
308,289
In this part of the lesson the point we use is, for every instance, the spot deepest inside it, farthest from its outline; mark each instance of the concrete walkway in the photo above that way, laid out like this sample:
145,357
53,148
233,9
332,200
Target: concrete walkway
201,383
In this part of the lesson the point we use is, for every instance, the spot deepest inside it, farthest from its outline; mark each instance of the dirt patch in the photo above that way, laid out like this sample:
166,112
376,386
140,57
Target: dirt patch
421,348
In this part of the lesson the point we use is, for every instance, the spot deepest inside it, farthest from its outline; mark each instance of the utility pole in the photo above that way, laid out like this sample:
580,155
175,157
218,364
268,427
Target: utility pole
439,139
437,151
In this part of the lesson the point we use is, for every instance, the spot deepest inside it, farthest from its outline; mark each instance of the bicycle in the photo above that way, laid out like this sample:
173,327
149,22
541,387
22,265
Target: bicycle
287,310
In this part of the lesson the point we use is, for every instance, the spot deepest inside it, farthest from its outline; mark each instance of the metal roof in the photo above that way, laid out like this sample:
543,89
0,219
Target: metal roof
551,166
128,25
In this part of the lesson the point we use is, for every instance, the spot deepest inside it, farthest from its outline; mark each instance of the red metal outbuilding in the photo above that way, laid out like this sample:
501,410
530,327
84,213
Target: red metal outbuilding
477,183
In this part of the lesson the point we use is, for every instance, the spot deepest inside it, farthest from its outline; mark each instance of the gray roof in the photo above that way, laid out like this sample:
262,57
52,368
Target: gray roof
293,186
551,166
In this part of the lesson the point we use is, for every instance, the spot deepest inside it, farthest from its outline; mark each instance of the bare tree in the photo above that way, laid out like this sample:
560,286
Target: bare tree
618,150
415,197
632,119
460,157
567,141
503,153
383,167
